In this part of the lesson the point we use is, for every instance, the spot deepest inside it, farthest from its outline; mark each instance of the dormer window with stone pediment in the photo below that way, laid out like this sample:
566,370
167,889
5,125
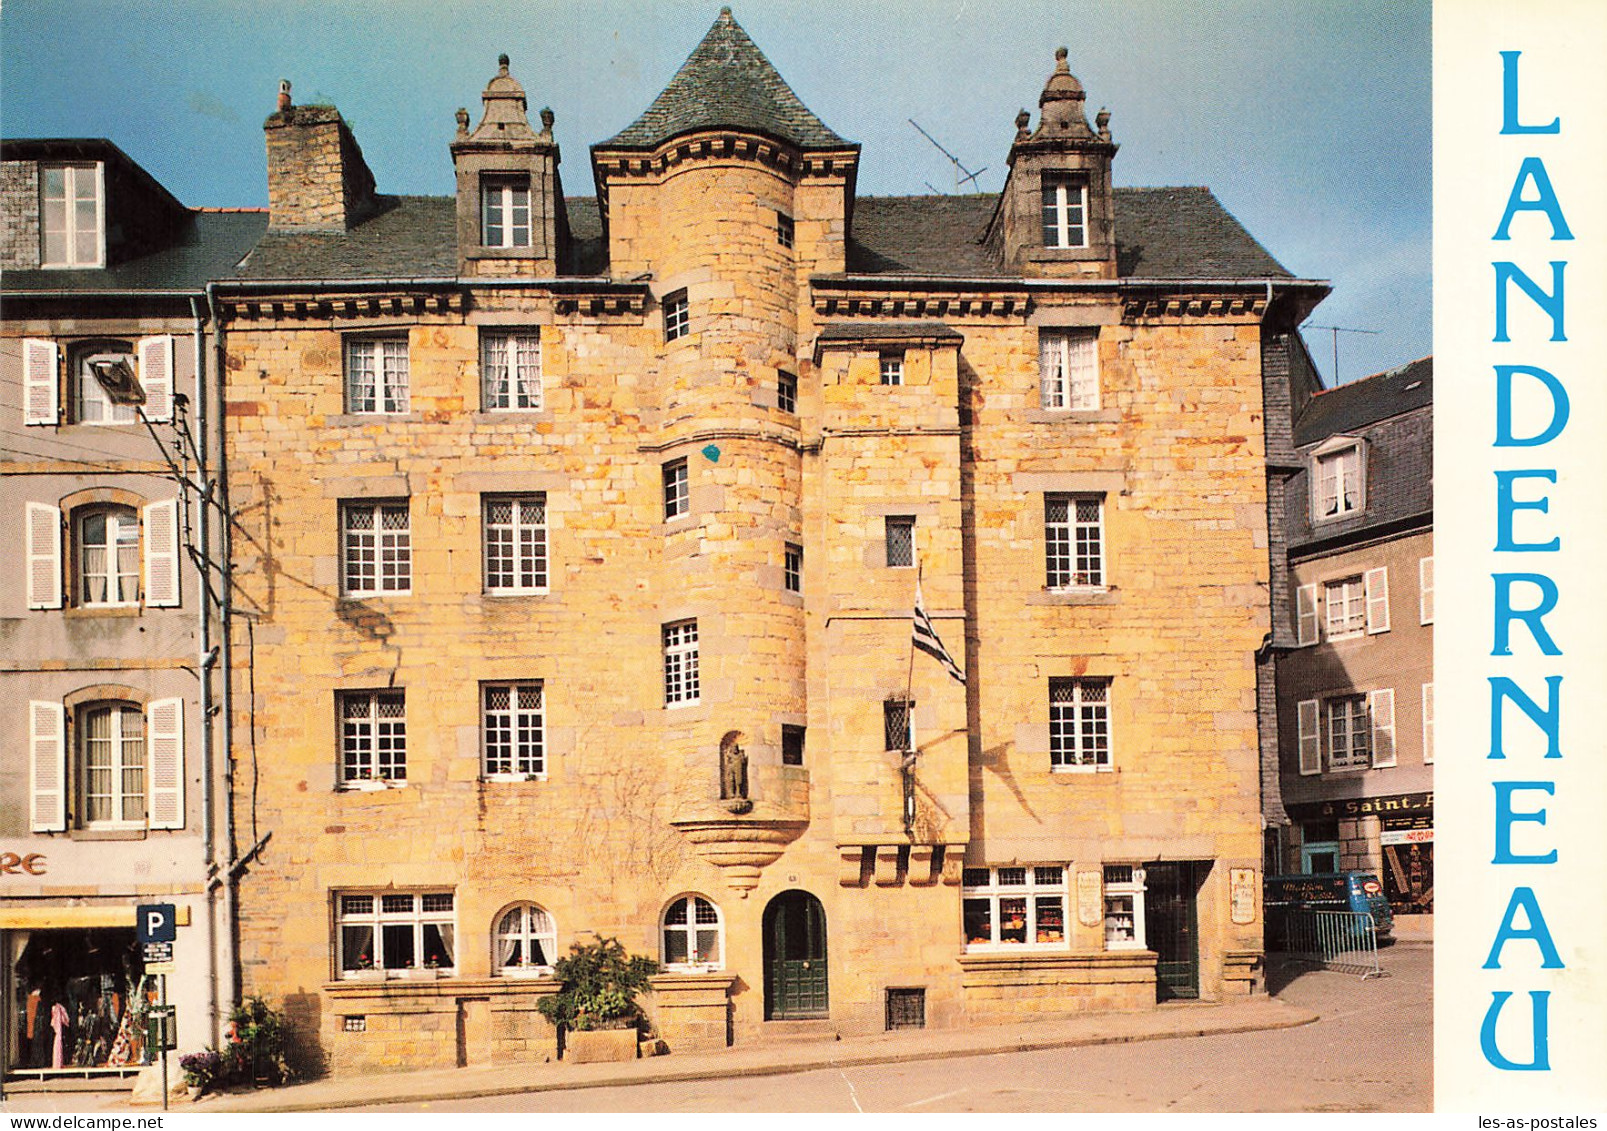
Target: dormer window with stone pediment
1339,479
504,211
1065,210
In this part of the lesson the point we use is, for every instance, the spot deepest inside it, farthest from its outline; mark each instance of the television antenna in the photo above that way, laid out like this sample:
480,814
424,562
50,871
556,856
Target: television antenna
1336,331
969,178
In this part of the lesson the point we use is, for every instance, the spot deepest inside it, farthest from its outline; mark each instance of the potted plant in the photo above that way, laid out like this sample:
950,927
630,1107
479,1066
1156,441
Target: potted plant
595,1010
200,1070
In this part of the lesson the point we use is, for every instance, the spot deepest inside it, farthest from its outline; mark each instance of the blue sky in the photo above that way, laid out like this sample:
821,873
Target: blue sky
1308,118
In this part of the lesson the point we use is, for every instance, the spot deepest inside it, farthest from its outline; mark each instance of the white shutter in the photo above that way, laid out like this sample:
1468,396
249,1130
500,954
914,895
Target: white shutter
47,766
1425,590
162,554
41,383
164,731
1306,615
1381,707
44,556
1310,747
156,376
1377,600
1428,724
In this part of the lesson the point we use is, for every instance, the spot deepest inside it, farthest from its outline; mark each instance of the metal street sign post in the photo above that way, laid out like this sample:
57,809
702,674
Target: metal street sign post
155,928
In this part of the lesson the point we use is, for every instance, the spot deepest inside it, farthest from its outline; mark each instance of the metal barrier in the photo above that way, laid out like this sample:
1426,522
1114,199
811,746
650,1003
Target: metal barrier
1345,941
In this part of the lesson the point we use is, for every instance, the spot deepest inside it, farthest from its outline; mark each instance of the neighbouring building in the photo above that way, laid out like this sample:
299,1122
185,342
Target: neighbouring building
578,540
1356,691
106,637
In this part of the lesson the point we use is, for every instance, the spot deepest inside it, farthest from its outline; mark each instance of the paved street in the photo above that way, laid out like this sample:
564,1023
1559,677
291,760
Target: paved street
1372,1051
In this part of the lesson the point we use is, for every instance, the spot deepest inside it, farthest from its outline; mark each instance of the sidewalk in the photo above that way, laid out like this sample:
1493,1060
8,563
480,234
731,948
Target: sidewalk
1180,1020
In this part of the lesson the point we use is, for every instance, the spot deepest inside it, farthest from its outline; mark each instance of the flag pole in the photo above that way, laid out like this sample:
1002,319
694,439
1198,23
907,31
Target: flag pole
907,763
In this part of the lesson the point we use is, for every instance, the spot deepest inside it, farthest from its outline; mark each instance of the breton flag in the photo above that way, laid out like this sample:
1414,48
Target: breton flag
926,639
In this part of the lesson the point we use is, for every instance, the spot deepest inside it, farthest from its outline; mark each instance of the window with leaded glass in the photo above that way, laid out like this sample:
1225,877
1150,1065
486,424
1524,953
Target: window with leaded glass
1016,906
680,663
694,934
377,548
510,371
515,544
373,736
899,536
376,375
1074,540
395,932
898,724
1079,724
513,726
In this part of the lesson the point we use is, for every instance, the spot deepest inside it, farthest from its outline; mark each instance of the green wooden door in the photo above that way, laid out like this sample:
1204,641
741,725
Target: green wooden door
1172,926
795,957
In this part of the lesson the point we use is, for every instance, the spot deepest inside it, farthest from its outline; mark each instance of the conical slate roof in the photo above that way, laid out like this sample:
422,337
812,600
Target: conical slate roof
727,83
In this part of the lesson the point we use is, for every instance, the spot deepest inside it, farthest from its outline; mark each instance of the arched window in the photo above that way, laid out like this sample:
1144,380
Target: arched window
112,752
527,941
108,555
694,934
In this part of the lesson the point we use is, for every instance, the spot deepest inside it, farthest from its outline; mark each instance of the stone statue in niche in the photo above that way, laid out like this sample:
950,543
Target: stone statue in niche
734,773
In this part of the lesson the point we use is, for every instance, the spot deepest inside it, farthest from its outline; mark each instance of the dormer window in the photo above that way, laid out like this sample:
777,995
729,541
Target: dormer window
1065,211
71,216
505,212
1339,485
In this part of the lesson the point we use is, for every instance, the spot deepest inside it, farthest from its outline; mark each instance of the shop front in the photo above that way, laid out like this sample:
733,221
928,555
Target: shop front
1391,836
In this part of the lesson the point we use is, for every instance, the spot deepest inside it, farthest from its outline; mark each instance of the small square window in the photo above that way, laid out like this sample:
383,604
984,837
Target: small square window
900,536
784,229
892,368
677,316
906,1009
792,567
787,391
354,1024
677,492
792,745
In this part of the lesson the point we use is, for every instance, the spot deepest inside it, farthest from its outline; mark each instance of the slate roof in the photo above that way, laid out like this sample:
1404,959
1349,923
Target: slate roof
1162,233
209,247
726,83
1393,414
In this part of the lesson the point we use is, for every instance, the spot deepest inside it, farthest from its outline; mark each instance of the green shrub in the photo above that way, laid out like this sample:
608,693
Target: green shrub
600,984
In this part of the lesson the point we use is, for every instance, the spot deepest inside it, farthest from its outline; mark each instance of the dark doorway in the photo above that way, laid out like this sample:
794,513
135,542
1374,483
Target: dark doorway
1172,925
795,958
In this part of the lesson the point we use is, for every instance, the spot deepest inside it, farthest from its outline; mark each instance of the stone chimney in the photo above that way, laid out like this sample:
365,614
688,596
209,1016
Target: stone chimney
317,178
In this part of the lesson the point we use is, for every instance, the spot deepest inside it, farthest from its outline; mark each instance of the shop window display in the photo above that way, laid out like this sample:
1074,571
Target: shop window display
81,998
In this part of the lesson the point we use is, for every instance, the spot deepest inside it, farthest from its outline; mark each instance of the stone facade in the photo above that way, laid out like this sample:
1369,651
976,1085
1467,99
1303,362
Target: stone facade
737,430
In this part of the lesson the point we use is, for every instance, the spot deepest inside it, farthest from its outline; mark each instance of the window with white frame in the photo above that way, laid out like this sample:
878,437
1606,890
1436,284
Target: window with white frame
1428,724
677,489
395,932
1339,484
899,540
680,663
892,367
1346,733
373,736
93,402
677,316
786,230
792,567
1345,604
694,934
510,370
1351,606
1068,369
376,375
898,724
513,730
376,548
1065,211
1425,590
1079,724
72,216
108,544
121,765
1074,541
505,212
526,941
1124,907
1022,905
515,544
787,391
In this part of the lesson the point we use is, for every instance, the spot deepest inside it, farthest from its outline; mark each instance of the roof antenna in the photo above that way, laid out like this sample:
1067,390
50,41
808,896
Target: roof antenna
969,177
1337,330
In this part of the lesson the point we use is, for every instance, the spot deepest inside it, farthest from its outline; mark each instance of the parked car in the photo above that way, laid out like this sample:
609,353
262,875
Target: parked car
1325,891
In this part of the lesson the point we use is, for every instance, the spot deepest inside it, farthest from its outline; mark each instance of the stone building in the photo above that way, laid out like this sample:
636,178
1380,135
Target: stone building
1356,692
579,540
107,639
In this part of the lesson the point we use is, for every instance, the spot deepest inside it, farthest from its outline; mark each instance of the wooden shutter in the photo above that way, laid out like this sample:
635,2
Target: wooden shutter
1428,724
1425,590
162,554
1310,745
41,383
1306,615
1377,581
1381,708
156,376
47,766
164,737
44,556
